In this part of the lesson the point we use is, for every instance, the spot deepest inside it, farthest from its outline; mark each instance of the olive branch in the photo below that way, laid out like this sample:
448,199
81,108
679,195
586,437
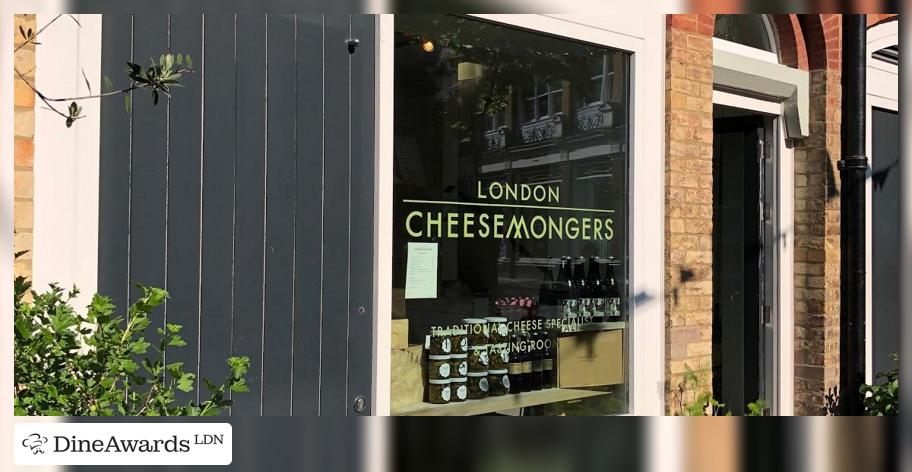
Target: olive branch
158,77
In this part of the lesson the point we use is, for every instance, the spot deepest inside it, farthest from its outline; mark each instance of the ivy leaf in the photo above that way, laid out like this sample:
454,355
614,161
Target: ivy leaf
185,383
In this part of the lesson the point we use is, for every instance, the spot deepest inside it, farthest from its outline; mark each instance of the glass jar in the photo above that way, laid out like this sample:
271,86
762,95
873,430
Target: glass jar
498,356
478,358
459,389
498,331
439,391
499,382
459,365
440,342
478,385
438,367
477,331
460,340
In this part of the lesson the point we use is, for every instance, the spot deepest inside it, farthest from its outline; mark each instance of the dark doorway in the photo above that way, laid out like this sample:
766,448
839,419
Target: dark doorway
885,237
738,260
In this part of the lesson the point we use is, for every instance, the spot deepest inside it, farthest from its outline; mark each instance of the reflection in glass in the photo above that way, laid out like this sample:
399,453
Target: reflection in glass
528,134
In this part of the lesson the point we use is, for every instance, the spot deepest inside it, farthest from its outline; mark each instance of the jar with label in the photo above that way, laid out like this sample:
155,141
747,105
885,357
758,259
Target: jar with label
459,365
498,331
438,367
439,342
478,358
499,382
477,331
460,340
498,356
439,391
478,385
459,389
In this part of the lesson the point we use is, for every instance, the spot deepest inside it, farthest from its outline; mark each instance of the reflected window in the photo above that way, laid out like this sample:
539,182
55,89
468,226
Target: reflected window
510,241
747,29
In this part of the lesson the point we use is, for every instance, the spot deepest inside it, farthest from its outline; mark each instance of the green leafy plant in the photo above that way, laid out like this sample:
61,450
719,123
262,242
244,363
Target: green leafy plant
756,408
882,399
158,77
102,364
701,401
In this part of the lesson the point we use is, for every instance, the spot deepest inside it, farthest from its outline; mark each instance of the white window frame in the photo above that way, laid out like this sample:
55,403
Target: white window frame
643,34
882,92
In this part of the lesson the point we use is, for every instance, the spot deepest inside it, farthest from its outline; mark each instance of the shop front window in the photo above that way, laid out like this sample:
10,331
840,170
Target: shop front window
510,240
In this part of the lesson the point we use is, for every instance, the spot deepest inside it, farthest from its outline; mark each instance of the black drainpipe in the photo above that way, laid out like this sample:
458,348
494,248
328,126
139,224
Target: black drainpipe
853,168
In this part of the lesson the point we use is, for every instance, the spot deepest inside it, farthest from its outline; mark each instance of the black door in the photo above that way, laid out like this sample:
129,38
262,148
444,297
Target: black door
737,260
885,237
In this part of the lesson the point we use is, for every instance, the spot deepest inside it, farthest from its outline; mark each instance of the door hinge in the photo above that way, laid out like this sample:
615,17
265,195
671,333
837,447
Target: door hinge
767,314
767,214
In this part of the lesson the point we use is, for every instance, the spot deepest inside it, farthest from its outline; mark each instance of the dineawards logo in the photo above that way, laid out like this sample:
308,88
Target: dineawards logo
123,443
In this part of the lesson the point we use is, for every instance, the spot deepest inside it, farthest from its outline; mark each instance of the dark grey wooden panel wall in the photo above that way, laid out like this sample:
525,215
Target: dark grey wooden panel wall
249,196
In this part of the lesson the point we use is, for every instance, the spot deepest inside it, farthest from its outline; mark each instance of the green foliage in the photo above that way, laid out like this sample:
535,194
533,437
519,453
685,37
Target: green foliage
160,76
102,364
702,403
756,408
882,399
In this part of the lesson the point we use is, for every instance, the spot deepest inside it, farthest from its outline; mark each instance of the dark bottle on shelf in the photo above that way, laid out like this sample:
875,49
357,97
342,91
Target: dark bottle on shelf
582,289
537,351
612,293
561,289
525,348
596,289
546,301
514,368
549,368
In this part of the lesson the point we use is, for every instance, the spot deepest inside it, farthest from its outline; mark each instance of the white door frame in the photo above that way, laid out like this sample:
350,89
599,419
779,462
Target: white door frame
882,92
641,33
783,323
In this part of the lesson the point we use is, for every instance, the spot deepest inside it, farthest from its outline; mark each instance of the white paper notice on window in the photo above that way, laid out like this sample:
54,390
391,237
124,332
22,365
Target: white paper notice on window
421,271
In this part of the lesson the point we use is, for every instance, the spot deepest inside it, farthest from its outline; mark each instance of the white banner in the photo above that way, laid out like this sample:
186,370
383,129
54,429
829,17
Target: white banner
122,443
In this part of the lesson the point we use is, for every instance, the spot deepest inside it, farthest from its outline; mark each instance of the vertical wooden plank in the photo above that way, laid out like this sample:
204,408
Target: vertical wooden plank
149,165
249,206
336,230
309,217
217,65
361,276
184,161
280,214
114,165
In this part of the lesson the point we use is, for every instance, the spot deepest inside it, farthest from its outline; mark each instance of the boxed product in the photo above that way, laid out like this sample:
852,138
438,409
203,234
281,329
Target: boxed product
590,359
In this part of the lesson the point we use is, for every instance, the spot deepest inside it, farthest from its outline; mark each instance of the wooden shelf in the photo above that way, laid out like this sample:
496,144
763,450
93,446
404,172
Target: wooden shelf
493,404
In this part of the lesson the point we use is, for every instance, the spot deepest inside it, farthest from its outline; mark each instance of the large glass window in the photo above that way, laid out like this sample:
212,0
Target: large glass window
510,256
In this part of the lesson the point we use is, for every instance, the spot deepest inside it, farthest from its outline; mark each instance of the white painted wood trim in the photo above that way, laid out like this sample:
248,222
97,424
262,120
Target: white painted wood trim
882,92
383,208
66,159
784,324
6,234
742,50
